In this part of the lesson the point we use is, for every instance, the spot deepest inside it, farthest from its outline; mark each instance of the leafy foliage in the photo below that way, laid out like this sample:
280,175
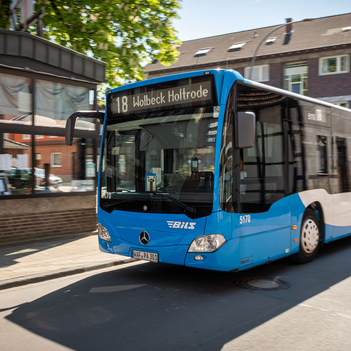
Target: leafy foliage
4,14
126,34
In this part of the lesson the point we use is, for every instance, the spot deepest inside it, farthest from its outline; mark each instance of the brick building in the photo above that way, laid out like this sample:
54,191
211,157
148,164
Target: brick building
310,57
52,150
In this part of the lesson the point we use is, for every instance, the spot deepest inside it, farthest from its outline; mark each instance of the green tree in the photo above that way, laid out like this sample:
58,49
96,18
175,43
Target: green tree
126,34
4,14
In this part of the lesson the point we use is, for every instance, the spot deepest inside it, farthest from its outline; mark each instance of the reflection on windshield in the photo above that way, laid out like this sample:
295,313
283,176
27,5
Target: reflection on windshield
170,153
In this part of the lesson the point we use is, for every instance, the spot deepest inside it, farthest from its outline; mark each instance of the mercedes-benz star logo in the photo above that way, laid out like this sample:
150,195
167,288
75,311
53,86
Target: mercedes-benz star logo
144,237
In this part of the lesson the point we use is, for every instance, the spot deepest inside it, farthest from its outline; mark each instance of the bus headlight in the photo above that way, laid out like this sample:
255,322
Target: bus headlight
207,243
103,233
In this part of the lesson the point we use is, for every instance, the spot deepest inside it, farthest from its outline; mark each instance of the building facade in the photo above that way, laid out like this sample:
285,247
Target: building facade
310,57
46,187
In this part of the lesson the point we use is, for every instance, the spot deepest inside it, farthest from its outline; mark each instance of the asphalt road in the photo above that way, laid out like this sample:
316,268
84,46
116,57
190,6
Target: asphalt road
146,306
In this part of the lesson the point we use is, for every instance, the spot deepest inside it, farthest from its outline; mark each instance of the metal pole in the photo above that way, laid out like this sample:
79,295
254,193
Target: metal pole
267,35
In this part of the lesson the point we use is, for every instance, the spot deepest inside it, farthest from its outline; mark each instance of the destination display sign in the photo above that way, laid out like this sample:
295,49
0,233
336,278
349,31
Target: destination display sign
177,94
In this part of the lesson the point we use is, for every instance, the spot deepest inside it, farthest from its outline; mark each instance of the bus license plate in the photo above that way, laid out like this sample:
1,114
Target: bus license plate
147,256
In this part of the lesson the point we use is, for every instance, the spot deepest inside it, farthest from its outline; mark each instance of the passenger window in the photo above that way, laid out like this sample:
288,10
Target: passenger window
226,162
343,166
262,166
322,154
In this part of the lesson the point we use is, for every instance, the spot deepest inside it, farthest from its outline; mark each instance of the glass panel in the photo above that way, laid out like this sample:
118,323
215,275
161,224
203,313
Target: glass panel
68,168
15,164
259,73
15,99
344,63
226,162
295,88
304,89
55,102
286,83
343,166
265,73
160,163
296,68
251,159
329,65
296,77
256,74
262,166
91,99
322,152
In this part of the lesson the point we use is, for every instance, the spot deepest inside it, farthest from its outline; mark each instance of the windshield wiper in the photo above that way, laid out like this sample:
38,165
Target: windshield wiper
121,190
191,209
114,203
166,195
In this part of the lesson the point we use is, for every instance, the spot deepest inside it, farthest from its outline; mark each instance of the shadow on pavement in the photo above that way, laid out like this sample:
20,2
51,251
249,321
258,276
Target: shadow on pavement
163,307
10,254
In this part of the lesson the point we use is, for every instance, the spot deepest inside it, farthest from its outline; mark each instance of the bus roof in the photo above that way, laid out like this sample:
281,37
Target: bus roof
219,76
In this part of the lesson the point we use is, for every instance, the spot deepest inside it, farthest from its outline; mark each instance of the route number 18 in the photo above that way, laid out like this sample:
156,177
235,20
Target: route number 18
124,104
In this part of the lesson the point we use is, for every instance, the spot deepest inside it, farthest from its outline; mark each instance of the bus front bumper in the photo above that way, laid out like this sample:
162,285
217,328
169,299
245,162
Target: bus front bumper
224,259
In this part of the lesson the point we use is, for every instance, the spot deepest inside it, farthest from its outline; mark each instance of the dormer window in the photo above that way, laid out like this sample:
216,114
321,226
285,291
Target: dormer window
271,40
236,46
203,51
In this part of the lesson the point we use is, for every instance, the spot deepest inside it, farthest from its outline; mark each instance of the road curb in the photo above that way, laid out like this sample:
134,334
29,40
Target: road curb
12,283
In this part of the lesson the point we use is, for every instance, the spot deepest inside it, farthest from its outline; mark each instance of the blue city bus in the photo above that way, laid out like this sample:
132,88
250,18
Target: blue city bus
210,170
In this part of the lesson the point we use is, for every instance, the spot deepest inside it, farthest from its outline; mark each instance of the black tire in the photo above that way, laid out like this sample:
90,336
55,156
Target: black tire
309,238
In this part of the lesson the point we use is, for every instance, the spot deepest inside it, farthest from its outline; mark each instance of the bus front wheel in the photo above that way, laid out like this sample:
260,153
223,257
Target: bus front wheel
309,238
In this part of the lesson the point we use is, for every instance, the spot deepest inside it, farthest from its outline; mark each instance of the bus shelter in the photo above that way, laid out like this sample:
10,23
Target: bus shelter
46,187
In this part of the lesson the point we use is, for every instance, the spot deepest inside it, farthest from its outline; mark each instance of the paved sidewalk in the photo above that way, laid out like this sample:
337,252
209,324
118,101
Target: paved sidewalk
38,261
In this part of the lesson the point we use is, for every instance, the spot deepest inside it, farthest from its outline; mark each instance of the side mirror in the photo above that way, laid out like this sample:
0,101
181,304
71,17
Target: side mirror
71,122
245,129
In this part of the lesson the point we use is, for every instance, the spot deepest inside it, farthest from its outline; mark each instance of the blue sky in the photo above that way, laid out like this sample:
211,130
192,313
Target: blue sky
204,18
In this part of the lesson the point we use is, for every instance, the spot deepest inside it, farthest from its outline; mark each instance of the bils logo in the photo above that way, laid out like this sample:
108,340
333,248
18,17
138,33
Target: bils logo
181,225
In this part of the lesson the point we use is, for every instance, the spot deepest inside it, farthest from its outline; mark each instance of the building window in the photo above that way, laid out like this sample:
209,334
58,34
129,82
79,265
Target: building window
236,47
203,51
342,104
56,159
39,137
296,77
334,64
15,165
259,73
55,102
26,136
15,99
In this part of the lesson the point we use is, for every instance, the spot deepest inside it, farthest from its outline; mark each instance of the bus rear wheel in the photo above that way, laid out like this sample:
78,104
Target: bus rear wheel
309,238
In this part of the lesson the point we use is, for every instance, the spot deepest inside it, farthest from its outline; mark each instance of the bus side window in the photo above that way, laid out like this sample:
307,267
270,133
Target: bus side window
343,166
322,154
226,162
262,179
252,157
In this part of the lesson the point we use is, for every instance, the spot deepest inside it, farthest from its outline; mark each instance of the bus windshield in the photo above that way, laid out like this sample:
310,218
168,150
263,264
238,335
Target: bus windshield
161,162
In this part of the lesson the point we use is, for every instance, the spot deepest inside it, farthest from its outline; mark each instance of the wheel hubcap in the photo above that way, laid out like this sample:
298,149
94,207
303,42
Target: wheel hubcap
310,236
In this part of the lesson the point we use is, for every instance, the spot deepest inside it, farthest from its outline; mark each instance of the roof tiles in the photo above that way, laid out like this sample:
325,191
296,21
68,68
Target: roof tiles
308,34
